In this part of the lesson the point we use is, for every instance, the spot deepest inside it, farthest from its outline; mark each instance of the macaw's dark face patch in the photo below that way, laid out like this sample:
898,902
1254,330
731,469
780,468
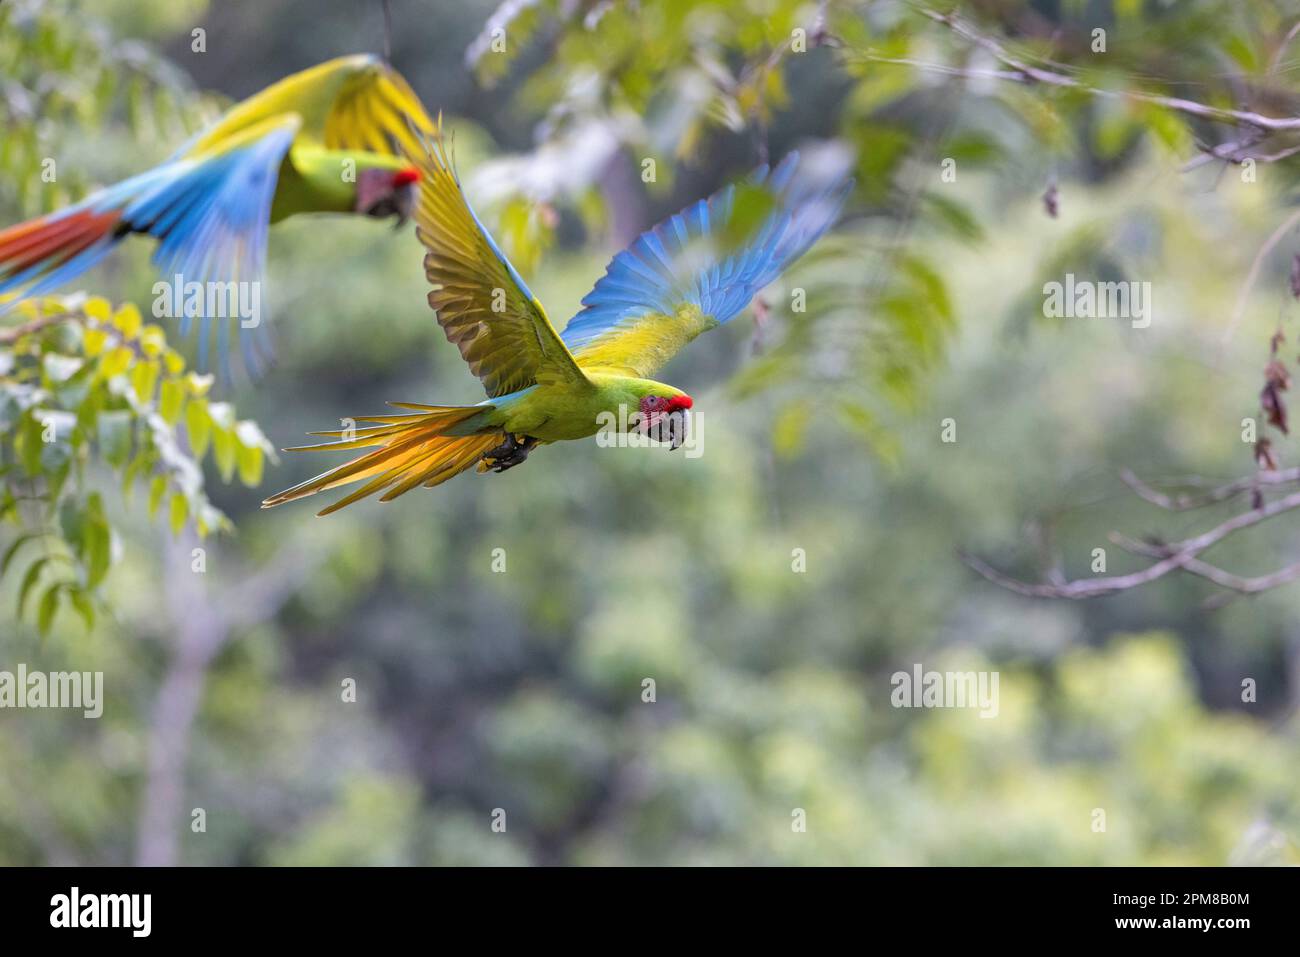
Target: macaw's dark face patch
382,193
666,418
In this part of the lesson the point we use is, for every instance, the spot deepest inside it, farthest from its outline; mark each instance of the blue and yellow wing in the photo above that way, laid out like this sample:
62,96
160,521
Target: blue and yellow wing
690,273
209,212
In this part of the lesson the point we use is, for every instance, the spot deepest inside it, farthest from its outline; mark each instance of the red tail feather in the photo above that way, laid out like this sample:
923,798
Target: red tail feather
52,238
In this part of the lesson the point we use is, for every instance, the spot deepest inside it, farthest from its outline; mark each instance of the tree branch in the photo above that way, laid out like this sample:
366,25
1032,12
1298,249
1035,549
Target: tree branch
1024,72
1240,309
1170,556
1203,569
203,626
1222,493
11,334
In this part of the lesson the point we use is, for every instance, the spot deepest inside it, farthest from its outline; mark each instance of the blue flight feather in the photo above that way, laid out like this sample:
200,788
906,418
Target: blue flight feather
210,217
658,273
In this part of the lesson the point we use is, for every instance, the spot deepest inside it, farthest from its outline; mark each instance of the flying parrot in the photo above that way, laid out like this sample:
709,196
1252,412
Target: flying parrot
674,282
331,139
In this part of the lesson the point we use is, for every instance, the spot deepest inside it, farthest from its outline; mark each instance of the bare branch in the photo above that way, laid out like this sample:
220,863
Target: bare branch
1171,556
1222,493
11,334
1220,576
1232,151
203,624
1079,588
1240,309
1028,73
1281,49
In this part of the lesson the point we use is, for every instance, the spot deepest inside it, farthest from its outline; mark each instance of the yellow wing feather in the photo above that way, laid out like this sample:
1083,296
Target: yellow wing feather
641,346
350,103
482,304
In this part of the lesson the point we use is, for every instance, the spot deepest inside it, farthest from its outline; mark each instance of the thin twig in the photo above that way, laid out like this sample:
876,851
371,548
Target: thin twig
1024,72
11,334
1232,151
1286,42
1220,576
1074,590
1222,493
1240,309
1177,555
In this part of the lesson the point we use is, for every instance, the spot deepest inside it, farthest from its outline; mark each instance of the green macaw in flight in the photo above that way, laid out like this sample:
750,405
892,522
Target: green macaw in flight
332,139
670,285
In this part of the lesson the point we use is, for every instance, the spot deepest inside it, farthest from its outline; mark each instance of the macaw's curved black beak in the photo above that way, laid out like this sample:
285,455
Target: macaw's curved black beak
398,201
404,204
678,427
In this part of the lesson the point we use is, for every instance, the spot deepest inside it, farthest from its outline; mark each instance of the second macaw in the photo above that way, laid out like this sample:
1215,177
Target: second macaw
674,282
331,139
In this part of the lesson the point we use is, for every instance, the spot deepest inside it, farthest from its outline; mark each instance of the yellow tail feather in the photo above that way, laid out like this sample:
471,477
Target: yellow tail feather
408,451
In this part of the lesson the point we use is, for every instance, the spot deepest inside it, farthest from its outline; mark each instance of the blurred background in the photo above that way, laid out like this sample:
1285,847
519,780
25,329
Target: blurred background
500,630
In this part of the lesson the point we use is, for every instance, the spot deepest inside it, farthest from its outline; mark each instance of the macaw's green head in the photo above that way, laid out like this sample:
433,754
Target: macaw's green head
665,415
384,191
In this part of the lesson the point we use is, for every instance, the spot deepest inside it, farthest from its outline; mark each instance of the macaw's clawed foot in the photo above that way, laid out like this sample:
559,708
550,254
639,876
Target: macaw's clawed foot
508,454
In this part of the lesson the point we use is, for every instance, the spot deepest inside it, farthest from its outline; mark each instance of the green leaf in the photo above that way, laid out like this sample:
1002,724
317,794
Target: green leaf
255,448
861,420
955,216
115,437
199,426
170,399
12,550
223,452
45,613
156,489
84,607
116,362
71,521
29,581
250,464
96,546
790,427
144,379
971,147
140,464
32,442
180,510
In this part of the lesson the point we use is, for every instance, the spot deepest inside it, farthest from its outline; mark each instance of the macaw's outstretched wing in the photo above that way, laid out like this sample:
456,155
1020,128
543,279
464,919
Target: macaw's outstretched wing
691,273
376,107
209,212
483,304
349,103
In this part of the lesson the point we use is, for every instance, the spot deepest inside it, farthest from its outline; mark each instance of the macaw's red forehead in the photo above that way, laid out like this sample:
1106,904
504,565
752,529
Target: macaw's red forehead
679,402
405,175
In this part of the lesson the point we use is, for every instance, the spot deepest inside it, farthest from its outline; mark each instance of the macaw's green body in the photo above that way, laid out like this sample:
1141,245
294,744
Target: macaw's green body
552,414
315,180
555,413
656,296
331,139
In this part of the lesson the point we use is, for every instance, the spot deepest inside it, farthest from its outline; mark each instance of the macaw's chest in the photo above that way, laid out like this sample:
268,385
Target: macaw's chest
561,413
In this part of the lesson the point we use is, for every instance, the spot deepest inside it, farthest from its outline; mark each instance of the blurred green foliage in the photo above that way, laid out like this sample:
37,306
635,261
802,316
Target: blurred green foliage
86,387
520,687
